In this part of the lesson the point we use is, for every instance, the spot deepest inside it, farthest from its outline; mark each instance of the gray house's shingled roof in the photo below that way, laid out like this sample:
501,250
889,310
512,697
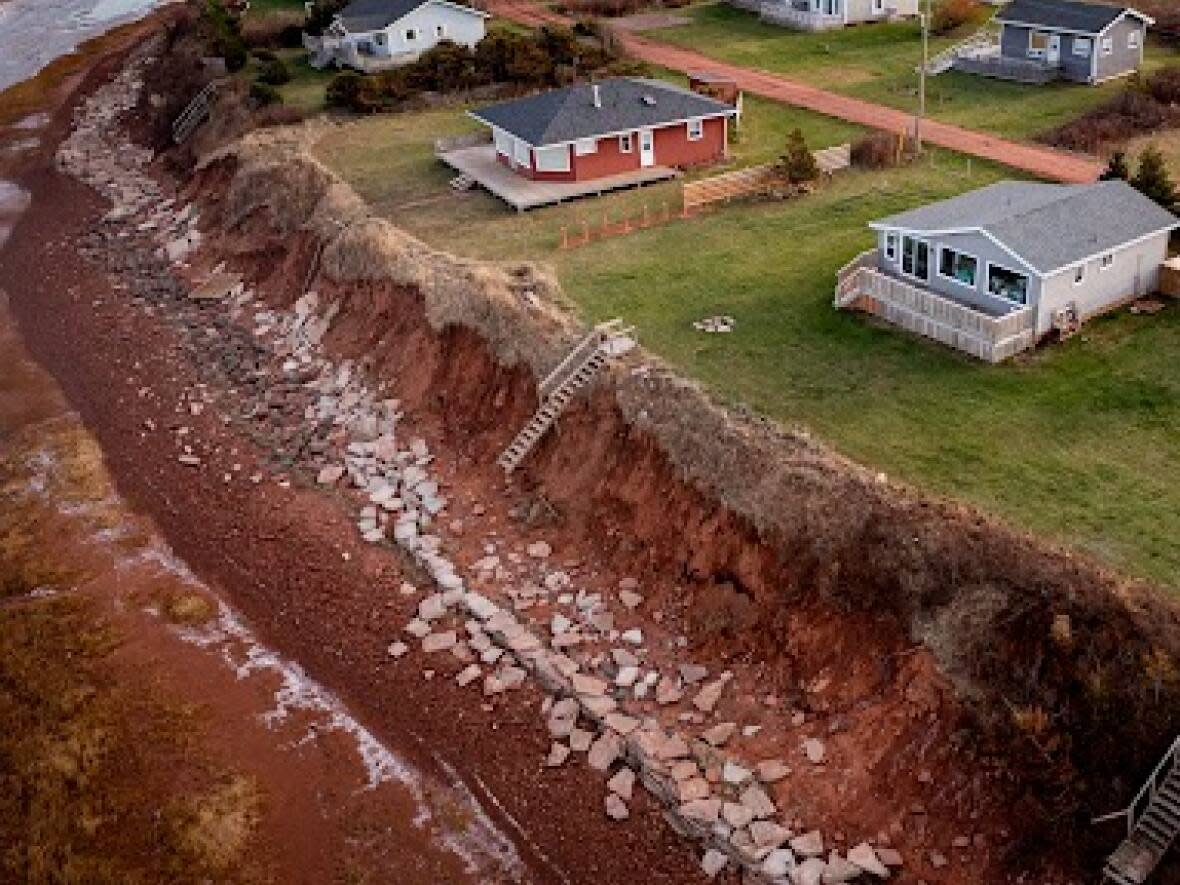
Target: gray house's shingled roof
362,16
1068,15
1050,226
564,115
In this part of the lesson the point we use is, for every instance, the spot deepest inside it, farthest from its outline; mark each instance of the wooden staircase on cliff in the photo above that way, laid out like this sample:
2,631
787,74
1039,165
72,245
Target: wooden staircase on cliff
579,368
195,113
1153,824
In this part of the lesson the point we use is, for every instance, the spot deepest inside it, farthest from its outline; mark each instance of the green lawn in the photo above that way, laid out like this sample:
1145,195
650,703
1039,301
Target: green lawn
1077,442
878,63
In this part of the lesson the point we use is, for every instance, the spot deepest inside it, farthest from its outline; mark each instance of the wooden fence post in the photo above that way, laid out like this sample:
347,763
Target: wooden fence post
565,237
585,231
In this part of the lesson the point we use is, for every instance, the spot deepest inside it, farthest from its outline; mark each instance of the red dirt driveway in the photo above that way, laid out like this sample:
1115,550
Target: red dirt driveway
1043,162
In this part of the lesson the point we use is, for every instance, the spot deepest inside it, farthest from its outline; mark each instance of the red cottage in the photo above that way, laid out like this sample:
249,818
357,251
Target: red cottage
595,130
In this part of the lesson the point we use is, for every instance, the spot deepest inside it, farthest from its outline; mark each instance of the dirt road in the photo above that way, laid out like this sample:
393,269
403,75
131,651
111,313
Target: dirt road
1041,161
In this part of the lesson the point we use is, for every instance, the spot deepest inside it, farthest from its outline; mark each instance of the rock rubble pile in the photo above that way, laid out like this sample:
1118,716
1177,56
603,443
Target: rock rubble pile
586,650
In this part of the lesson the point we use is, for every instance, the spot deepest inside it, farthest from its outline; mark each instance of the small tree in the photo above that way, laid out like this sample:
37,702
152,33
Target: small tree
797,164
1117,169
1153,180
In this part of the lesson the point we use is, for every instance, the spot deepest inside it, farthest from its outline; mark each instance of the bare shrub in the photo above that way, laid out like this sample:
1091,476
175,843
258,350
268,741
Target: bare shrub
274,31
951,15
879,150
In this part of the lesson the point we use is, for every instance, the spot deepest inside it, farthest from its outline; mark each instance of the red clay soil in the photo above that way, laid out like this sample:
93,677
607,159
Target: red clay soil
290,558
1044,162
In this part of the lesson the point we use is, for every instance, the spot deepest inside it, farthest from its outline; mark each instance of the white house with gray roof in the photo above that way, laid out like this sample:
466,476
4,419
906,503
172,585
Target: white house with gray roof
372,35
995,270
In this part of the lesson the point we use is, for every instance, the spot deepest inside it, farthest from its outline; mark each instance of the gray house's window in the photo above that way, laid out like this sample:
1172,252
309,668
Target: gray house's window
440,31
1038,43
1107,261
1009,284
411,35
891,246
915,258
958,266
1081,46
1079,274
1108,45
1133,40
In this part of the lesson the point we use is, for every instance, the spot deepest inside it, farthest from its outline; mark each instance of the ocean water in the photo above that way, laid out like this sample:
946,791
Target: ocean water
35,32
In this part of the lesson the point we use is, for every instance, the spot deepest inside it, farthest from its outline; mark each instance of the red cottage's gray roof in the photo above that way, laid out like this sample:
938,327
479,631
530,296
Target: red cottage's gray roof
625,103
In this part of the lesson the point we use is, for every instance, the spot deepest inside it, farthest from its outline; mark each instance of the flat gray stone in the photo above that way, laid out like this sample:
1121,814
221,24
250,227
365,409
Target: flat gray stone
605,751
616,808
866,859
810,844
713,863
622,783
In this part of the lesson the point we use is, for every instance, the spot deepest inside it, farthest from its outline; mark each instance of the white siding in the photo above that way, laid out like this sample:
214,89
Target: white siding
1135,270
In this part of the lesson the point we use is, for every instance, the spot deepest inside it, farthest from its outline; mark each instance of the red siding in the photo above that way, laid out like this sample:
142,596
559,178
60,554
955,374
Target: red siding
672,148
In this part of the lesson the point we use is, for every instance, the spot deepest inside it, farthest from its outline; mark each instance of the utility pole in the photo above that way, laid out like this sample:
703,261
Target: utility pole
925,16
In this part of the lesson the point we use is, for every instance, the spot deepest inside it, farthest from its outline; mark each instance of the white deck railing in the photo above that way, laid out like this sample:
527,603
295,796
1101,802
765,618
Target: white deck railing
778,12
934,316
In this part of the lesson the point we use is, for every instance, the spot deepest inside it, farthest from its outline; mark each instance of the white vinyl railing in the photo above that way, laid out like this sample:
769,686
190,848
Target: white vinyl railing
927,313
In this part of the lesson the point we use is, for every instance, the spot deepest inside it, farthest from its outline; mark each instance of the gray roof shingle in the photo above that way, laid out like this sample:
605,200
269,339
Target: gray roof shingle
1050,226
362,16
564,115
1069,15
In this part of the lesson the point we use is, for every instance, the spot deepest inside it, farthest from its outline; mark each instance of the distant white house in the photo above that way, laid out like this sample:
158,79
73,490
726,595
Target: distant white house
823,15
372,35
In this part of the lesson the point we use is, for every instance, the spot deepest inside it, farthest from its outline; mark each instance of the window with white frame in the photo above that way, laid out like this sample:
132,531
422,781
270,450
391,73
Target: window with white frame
585,146
440,31
915,258
891,246
1133,40
1107,262
1108,45
958,266
1079,274
411,35
1038,44
1007,284
1081,47
878,7
696,130
379,39
626,143
552,159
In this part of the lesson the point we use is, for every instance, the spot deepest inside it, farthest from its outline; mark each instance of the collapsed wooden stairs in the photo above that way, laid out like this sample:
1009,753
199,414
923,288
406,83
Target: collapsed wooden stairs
1153,824
195,113
577,370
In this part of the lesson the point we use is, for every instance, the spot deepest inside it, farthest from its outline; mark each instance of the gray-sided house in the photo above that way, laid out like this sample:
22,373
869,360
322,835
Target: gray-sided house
372,35
995,270
822,15
1044,40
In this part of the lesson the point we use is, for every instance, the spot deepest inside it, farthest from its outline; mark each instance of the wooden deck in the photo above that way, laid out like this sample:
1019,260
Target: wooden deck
992,336
522,193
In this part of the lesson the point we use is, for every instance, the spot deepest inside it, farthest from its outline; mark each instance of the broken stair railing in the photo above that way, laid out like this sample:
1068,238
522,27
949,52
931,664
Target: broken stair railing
579,367
1153,823
195,113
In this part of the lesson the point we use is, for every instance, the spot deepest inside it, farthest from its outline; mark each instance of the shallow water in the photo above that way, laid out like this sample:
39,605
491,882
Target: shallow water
35,32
